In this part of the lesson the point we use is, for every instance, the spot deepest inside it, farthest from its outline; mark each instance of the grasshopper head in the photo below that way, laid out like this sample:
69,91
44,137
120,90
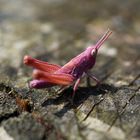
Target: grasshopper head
96,47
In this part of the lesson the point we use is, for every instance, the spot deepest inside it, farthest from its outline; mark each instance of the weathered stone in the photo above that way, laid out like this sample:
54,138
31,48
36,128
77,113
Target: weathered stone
56,31
24,127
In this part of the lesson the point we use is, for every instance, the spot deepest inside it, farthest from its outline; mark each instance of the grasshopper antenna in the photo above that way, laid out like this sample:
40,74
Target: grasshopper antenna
103,39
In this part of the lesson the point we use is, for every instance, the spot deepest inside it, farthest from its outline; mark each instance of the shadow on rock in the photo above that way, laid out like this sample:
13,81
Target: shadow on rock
81,95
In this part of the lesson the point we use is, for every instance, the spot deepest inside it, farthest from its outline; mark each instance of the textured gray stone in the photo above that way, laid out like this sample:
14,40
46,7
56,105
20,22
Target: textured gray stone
56,31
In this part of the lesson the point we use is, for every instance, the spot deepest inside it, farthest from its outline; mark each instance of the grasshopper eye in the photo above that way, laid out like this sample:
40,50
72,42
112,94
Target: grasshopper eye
94,52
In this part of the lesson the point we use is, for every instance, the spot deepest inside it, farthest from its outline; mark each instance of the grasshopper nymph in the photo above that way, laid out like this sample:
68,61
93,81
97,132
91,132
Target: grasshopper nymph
48,75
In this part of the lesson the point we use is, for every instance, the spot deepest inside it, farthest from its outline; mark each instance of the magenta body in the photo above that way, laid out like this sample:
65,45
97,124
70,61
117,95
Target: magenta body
79,64
76,67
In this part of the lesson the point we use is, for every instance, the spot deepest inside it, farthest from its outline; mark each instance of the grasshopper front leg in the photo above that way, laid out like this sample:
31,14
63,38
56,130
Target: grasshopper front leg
75,88
93,77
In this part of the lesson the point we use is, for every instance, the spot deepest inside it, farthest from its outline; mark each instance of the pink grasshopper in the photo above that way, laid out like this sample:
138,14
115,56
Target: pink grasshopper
48,75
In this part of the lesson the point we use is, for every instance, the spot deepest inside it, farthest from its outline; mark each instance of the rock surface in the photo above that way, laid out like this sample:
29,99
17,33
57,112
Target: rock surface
56,31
